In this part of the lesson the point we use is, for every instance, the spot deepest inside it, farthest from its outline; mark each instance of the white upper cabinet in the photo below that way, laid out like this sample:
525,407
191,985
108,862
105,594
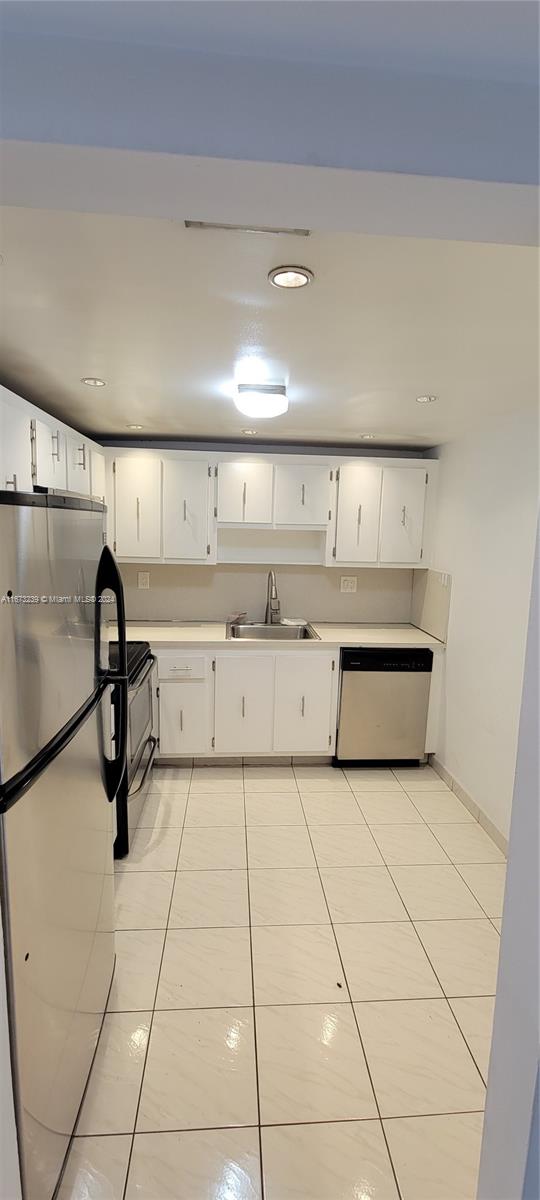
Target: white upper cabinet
78,464
15,449
244,703
302,495
185,509
245,493
50,466
97,474
402,514
358,510
303,703
138,507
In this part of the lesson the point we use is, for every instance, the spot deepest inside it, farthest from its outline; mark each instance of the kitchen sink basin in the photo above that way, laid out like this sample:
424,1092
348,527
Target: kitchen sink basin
270,633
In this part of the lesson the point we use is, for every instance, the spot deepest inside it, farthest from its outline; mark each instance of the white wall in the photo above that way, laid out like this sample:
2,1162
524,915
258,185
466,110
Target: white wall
486,519
510,1135
213,593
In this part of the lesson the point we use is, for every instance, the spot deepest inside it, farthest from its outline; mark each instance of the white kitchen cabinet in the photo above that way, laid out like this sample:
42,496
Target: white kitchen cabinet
184,716
185,509
402,514
97,474
138,507
78,464
303,703
15,449
244,703
245,492
302,495
49,455
358,511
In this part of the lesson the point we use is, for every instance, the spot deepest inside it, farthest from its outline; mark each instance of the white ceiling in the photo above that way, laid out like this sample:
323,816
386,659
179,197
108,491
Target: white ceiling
477,39
165,315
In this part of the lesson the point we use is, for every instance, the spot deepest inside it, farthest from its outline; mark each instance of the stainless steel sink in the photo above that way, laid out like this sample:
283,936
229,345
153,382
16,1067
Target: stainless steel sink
250,630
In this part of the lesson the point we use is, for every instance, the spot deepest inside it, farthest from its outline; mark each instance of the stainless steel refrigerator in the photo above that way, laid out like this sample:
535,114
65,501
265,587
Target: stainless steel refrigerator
62,756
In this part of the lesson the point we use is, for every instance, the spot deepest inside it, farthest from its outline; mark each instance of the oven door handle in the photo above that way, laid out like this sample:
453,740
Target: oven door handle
139,679
148,766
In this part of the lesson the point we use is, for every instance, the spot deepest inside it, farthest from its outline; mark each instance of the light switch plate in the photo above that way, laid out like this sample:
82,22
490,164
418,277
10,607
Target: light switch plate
143,580
348,583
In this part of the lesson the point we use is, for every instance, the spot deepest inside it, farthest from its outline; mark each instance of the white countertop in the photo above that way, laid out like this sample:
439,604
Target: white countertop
171,635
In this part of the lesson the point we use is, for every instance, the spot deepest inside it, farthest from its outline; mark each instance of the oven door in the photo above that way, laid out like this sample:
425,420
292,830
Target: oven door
142,740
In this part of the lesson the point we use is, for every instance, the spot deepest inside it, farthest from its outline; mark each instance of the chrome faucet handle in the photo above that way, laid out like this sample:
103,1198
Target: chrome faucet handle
232,620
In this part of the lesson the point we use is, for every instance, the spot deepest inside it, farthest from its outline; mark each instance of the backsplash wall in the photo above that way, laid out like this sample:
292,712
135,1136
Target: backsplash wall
179,593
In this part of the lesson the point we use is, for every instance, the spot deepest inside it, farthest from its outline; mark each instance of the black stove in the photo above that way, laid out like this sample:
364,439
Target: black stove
137,654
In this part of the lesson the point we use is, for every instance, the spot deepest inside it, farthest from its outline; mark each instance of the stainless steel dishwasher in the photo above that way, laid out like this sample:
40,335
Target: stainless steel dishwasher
383,705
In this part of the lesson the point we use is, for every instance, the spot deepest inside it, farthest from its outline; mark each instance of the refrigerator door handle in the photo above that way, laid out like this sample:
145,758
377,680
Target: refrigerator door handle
108,579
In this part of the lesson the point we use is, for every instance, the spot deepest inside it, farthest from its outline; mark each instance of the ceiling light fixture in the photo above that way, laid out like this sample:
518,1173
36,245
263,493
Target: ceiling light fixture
134,426
261,399
426,399
93,381
290,277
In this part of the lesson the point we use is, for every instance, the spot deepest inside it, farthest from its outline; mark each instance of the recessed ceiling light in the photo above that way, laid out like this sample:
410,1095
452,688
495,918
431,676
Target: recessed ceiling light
134,426
290,277
249,432
367,437
93,381
262,399
426,399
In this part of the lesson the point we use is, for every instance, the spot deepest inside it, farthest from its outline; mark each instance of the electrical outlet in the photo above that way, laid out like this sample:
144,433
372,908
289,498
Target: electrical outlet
143,580
348,583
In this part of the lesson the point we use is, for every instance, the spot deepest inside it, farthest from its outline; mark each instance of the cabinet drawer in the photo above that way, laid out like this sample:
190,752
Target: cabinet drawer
181,666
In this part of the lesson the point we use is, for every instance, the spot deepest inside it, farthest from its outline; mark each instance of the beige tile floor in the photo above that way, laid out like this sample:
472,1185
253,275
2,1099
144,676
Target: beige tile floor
303,994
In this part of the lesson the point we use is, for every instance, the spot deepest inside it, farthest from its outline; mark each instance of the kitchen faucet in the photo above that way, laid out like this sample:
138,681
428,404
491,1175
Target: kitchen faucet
272,615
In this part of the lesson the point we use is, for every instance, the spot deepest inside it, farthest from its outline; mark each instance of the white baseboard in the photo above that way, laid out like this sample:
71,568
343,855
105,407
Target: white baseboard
478,813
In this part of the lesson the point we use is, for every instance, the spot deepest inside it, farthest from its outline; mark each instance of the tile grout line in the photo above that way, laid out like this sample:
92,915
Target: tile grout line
444,996
257,1084
368,1069
130,1156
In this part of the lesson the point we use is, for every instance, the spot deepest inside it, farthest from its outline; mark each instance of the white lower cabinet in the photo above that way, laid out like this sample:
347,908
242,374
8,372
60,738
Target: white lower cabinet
244,703
185,712
303,703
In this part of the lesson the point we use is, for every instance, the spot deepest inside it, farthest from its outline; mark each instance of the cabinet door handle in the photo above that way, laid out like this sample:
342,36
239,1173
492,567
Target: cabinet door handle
303,706
12,483
181,720
82,459
185,510
404,515
243,706
303,493
358,523
55,438
244,499
138,519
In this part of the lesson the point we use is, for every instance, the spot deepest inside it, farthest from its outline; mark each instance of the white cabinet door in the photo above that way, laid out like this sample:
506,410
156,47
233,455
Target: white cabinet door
15,450
402,514
78,465
138,507
244,703
358,510
97,474
185,509
245,493
302,495
184,716
303,701
50,464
